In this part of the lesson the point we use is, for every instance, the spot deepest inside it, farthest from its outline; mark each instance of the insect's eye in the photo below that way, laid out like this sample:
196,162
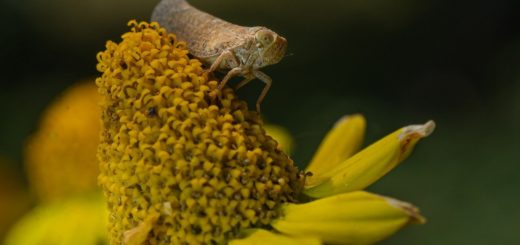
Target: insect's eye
265,37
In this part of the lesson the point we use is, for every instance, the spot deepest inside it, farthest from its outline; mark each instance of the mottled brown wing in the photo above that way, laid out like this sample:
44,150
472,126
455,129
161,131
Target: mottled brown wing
205,35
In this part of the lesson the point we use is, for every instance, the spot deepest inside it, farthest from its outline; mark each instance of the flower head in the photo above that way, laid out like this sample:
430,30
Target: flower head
178,167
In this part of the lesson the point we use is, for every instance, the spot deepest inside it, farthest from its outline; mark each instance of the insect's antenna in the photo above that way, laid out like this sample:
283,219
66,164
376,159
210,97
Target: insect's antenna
289,54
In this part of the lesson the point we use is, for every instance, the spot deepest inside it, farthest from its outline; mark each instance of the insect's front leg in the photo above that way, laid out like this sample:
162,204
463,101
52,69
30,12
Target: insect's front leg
268,81
227,56
233,72
231,61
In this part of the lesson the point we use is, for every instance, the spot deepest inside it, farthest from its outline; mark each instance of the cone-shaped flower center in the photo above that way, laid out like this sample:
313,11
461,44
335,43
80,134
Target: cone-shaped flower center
176,165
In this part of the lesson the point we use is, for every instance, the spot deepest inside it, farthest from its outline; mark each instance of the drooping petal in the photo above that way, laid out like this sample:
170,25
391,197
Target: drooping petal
259,237
339,144
370,164
351,218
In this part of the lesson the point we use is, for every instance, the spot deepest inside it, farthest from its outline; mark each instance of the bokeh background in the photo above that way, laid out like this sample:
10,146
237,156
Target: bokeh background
397,62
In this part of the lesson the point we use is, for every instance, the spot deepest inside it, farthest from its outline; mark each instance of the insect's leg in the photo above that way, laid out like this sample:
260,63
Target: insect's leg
227,56
246,80
267,80
233,72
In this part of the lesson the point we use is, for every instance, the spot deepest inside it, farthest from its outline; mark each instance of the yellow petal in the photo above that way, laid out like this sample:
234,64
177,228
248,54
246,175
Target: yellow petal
266,237
281,135
340,143
351,218
372,163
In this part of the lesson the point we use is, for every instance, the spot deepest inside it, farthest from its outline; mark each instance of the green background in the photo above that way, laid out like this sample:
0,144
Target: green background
397,62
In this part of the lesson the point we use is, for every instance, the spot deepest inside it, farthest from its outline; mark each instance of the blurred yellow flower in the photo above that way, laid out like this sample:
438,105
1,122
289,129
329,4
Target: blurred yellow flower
178,167
14,196
62,170
61,156
79,220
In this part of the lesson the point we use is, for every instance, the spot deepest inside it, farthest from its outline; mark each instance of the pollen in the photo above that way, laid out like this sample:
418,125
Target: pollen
176,165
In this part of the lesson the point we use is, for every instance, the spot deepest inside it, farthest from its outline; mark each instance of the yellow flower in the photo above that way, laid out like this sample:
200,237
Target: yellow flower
79,220
61,156
178,167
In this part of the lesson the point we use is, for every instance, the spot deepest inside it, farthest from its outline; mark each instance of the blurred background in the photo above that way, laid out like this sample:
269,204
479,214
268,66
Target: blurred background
397,62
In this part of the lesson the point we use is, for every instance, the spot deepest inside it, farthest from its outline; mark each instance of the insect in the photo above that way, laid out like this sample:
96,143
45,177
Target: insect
223,46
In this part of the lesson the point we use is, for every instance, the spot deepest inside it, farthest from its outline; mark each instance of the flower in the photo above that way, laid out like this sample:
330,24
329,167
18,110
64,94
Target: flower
60,157
179,167
175,165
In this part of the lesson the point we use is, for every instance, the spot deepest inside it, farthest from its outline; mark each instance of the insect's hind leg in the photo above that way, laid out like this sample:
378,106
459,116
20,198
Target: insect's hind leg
245,81
268,81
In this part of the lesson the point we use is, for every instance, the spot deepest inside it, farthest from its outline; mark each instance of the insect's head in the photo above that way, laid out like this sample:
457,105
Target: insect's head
271,47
